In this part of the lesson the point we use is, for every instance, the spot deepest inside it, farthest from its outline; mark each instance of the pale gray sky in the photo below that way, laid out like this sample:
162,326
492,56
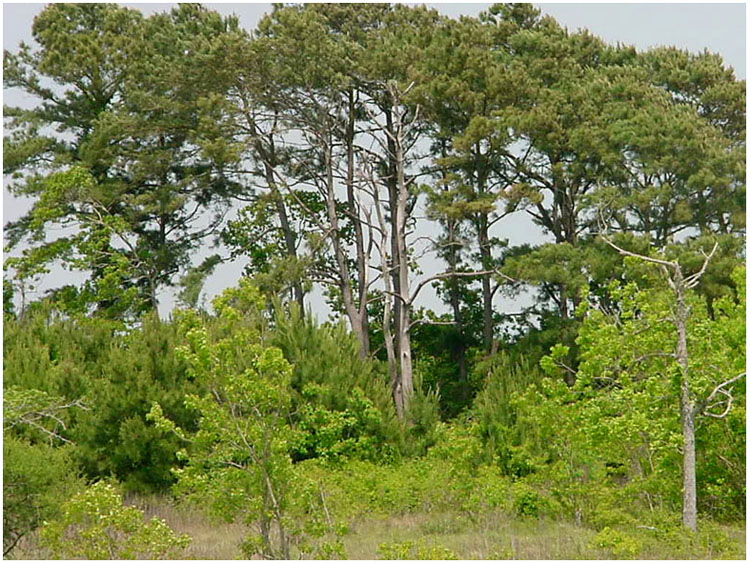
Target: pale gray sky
720,28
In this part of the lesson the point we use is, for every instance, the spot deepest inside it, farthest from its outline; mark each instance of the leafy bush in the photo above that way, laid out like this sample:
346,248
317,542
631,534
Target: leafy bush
414,551
354,432
342,402
618,543
528,502
36,481
447,478
96,526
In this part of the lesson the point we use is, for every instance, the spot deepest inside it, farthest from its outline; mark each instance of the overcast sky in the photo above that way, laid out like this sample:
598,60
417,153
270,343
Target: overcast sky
720,28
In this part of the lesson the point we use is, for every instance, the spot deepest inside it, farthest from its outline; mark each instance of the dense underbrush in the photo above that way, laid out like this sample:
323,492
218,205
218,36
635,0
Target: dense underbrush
264,423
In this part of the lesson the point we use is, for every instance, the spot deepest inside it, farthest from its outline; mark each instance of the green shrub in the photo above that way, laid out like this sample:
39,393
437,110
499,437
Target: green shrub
113,437
666,535
528,502
96,526
118,374
618,543
37,479
490,489
496,413
341,402
414,551
422,416
354,432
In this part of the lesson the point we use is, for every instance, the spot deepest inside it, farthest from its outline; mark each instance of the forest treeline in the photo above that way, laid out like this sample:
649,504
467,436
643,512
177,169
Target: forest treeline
350,148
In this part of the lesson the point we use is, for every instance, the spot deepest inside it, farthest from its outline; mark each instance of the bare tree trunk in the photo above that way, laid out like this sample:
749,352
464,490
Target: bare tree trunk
406,376
345,282
362,266
687,410
388,302
391,183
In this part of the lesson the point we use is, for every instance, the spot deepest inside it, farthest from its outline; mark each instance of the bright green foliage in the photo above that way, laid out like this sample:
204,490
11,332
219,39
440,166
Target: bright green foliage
96,526
621,545
36,480
411,551
618,427
449,477
348,433
238,460
342,405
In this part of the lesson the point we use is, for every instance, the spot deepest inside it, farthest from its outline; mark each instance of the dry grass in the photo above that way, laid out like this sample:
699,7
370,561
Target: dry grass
492,536
211,539
495,537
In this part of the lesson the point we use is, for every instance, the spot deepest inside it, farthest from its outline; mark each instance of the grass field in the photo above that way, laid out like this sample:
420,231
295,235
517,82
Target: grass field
443,535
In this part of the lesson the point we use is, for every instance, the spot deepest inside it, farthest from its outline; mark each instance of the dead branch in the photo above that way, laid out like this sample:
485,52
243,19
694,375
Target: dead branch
622,251
430,322
692,280
445,275
720,389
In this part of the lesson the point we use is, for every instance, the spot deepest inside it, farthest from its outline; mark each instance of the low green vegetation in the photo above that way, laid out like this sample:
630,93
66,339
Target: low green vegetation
96,526
308,466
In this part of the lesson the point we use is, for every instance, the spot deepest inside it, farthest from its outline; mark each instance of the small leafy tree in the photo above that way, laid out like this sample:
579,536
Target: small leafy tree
708,375
623,421
238,461
96,526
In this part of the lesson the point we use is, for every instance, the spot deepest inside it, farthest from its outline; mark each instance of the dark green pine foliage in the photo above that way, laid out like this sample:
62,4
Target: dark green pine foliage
343,404
113,436
122,149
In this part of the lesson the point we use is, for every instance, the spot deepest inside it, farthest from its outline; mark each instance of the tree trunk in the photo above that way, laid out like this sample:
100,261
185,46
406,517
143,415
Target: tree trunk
345,282
405,384
485,254
406,380
364,327
453,291
688,407
687,410
388,299
392,186
290,237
